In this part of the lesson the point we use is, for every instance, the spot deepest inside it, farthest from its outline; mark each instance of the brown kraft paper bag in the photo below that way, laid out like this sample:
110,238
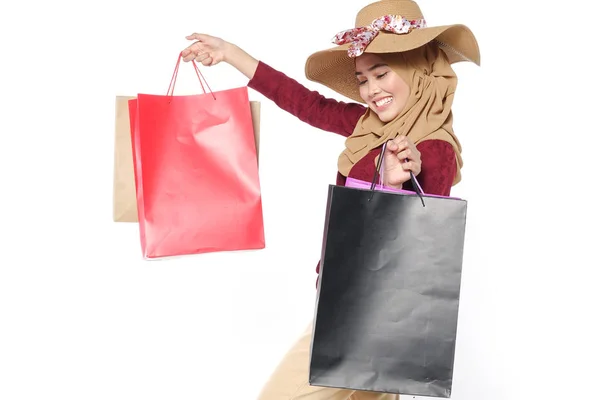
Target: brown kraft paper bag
124,197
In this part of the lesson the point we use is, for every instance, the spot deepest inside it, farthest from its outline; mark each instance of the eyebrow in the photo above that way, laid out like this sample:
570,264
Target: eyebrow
372,68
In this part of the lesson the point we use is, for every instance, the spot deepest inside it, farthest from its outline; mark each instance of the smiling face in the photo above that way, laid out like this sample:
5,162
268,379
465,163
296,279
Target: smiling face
383,90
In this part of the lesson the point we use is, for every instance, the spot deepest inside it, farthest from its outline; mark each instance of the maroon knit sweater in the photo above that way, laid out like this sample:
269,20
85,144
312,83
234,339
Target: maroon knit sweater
438,162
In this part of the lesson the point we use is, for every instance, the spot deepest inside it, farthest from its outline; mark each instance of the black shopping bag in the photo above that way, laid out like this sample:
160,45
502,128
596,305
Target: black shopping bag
388,294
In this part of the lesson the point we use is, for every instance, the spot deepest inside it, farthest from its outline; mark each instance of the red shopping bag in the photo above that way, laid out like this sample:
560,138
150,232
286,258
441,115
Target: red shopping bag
196,172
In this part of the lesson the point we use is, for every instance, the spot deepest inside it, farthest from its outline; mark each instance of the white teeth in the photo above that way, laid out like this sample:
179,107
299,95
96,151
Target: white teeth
383,101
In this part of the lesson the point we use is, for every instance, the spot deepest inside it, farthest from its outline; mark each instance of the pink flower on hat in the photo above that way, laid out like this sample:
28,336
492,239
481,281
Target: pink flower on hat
359,38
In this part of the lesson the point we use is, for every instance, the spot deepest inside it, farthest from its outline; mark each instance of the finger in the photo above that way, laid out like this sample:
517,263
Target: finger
206,59
412,166
406,154
198,47
400,139
401,142
197,36
391,146
409,166
189,53
189,56
193,51
202,56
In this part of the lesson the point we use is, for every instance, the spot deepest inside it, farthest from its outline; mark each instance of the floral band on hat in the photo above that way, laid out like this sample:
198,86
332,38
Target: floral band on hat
361,37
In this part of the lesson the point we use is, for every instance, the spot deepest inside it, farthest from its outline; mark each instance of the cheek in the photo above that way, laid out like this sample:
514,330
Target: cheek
401,93
364,93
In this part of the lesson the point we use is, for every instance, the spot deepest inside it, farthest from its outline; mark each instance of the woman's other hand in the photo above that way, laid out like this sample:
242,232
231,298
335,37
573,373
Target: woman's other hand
401,156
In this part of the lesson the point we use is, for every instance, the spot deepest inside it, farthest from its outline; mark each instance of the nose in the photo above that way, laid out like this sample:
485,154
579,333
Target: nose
373,90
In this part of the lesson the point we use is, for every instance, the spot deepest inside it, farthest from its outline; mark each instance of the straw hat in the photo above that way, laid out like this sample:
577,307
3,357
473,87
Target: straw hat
386,26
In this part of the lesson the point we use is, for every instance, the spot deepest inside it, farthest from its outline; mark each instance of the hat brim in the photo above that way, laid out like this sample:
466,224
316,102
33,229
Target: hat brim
335,69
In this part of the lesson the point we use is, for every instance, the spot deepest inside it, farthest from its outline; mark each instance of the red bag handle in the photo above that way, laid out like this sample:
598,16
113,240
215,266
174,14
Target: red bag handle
171,88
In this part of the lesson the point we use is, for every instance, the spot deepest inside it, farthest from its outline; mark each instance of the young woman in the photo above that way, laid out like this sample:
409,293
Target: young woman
399,73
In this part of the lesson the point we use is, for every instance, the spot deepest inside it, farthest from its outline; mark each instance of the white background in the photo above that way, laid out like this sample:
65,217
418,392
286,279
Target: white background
82,316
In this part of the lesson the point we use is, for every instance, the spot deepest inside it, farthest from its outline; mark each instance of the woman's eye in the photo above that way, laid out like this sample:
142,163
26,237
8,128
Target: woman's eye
361,82
381,75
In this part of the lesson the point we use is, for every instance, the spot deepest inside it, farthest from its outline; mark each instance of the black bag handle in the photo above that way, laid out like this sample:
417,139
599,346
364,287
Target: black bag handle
377,174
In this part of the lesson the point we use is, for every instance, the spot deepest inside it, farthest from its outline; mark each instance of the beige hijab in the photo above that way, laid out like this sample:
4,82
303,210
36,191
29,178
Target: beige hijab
426,116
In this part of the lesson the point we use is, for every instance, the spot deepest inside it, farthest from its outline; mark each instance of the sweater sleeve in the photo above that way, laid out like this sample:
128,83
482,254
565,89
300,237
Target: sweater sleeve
438,167
308,106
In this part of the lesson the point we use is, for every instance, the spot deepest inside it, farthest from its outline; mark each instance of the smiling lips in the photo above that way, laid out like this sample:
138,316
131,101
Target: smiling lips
383,102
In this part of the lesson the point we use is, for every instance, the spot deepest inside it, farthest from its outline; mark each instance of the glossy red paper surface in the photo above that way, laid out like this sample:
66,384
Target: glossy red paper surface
196,173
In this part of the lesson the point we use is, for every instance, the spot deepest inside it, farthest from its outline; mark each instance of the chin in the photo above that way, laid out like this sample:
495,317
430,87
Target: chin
385,117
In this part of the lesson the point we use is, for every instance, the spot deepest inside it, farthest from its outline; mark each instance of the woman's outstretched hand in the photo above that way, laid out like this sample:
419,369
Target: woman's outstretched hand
211,50
206,49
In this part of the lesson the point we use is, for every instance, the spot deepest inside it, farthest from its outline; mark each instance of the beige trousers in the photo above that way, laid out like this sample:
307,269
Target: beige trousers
290,379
